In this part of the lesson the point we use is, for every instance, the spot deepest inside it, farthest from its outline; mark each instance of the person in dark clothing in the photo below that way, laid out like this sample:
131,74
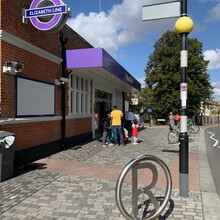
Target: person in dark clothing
129,118
106,127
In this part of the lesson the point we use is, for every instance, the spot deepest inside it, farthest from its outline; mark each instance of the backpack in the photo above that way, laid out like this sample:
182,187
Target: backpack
177,117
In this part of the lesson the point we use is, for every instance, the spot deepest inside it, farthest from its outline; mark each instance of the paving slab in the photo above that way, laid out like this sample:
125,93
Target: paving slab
80,182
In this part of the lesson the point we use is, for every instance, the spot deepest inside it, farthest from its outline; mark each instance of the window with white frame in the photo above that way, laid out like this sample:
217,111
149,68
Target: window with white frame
79,95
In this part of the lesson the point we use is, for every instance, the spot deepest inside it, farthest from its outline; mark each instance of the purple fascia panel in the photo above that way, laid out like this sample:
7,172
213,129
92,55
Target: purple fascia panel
84,58
98,57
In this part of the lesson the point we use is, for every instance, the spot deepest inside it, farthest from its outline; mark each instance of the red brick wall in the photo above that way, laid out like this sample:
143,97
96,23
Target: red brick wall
34,133
11,16
34,67
78,126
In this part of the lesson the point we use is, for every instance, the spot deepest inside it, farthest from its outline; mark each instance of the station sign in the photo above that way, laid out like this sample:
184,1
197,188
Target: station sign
45,11
47,15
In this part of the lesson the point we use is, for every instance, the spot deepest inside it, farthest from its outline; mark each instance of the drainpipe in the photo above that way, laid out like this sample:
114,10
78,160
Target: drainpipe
63,41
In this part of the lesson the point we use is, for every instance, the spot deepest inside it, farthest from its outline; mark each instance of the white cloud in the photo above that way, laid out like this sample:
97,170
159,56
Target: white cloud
142,82
214,58
213,14
216,90
120,26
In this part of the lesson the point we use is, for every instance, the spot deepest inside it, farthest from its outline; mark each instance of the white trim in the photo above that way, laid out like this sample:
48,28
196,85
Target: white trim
40,119
184,58
79,96
18,42
70,117
28,120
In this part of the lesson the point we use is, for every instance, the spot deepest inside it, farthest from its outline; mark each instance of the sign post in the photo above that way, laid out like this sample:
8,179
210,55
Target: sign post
183,26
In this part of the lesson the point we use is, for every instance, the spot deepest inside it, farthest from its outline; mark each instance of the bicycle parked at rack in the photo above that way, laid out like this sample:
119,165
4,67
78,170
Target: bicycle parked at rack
174,133
191,123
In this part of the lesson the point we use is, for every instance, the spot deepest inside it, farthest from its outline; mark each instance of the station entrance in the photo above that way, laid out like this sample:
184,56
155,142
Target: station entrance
103,106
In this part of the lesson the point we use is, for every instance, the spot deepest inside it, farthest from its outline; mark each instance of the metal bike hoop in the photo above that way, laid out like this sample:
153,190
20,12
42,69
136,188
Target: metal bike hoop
128,166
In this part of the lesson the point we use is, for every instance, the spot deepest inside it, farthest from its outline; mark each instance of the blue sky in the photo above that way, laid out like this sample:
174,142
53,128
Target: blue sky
117,26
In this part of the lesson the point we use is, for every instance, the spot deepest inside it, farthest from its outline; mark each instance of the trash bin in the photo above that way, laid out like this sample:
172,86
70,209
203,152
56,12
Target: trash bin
6,155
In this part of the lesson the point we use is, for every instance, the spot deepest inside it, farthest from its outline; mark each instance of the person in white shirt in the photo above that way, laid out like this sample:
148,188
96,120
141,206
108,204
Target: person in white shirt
129,118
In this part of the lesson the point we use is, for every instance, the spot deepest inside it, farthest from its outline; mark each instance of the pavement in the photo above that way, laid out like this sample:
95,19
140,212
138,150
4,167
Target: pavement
79,183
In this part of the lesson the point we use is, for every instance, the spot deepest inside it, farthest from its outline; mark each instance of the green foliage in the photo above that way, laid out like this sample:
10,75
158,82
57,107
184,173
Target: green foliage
163,77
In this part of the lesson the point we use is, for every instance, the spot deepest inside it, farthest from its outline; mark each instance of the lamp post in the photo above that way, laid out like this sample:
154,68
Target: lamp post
183,26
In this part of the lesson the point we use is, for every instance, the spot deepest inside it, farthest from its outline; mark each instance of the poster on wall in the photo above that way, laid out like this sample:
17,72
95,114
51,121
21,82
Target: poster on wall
134,101
34,98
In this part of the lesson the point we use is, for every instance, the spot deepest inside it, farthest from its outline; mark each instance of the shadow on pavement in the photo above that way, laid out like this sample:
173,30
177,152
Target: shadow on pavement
147,204
28,168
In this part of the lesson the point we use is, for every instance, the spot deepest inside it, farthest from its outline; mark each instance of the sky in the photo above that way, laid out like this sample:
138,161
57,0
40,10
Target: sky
117,27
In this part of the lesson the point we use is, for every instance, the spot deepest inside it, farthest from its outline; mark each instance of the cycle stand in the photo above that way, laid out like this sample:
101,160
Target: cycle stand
143,162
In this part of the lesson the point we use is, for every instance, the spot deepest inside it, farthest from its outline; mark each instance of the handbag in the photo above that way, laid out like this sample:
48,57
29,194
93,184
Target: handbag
111,136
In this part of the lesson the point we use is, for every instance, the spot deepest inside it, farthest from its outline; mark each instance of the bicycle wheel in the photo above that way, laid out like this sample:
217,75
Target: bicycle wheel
196,128
191,124
173,137
191,135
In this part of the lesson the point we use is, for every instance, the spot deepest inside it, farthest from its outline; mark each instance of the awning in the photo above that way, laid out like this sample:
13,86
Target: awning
98,62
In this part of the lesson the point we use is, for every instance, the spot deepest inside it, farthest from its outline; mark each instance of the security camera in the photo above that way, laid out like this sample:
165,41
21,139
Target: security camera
19,67
58,82
62,79
11,64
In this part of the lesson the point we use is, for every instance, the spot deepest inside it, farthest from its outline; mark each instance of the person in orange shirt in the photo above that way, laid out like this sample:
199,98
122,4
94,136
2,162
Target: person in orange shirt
116,118
177,118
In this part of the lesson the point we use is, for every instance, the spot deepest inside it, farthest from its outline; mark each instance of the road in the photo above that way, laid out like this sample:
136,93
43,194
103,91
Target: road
212,136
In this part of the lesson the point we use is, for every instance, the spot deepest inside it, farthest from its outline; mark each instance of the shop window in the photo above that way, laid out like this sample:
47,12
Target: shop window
77,102
77,82
86,86
82,84
79,96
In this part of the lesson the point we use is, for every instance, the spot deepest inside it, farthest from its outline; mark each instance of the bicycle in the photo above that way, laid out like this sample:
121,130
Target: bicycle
191,123
174,133
191,134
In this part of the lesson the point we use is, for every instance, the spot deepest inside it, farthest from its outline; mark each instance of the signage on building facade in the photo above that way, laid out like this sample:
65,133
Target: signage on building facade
134,101
47,15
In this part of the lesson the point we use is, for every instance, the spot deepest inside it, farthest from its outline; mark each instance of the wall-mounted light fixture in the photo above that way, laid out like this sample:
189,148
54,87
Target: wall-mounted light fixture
61,80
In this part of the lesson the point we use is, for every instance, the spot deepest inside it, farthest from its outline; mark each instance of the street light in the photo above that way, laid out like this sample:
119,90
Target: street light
183,26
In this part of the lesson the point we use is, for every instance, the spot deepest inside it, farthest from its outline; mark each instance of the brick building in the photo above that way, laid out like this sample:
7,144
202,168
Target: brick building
46,112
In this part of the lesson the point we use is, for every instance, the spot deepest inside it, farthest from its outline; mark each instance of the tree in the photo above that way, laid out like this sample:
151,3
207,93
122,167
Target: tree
163,76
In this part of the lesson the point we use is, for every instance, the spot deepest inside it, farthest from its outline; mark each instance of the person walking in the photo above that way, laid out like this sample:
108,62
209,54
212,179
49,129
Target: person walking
177,118
116,118
172,122
135,132
106,128
128,121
